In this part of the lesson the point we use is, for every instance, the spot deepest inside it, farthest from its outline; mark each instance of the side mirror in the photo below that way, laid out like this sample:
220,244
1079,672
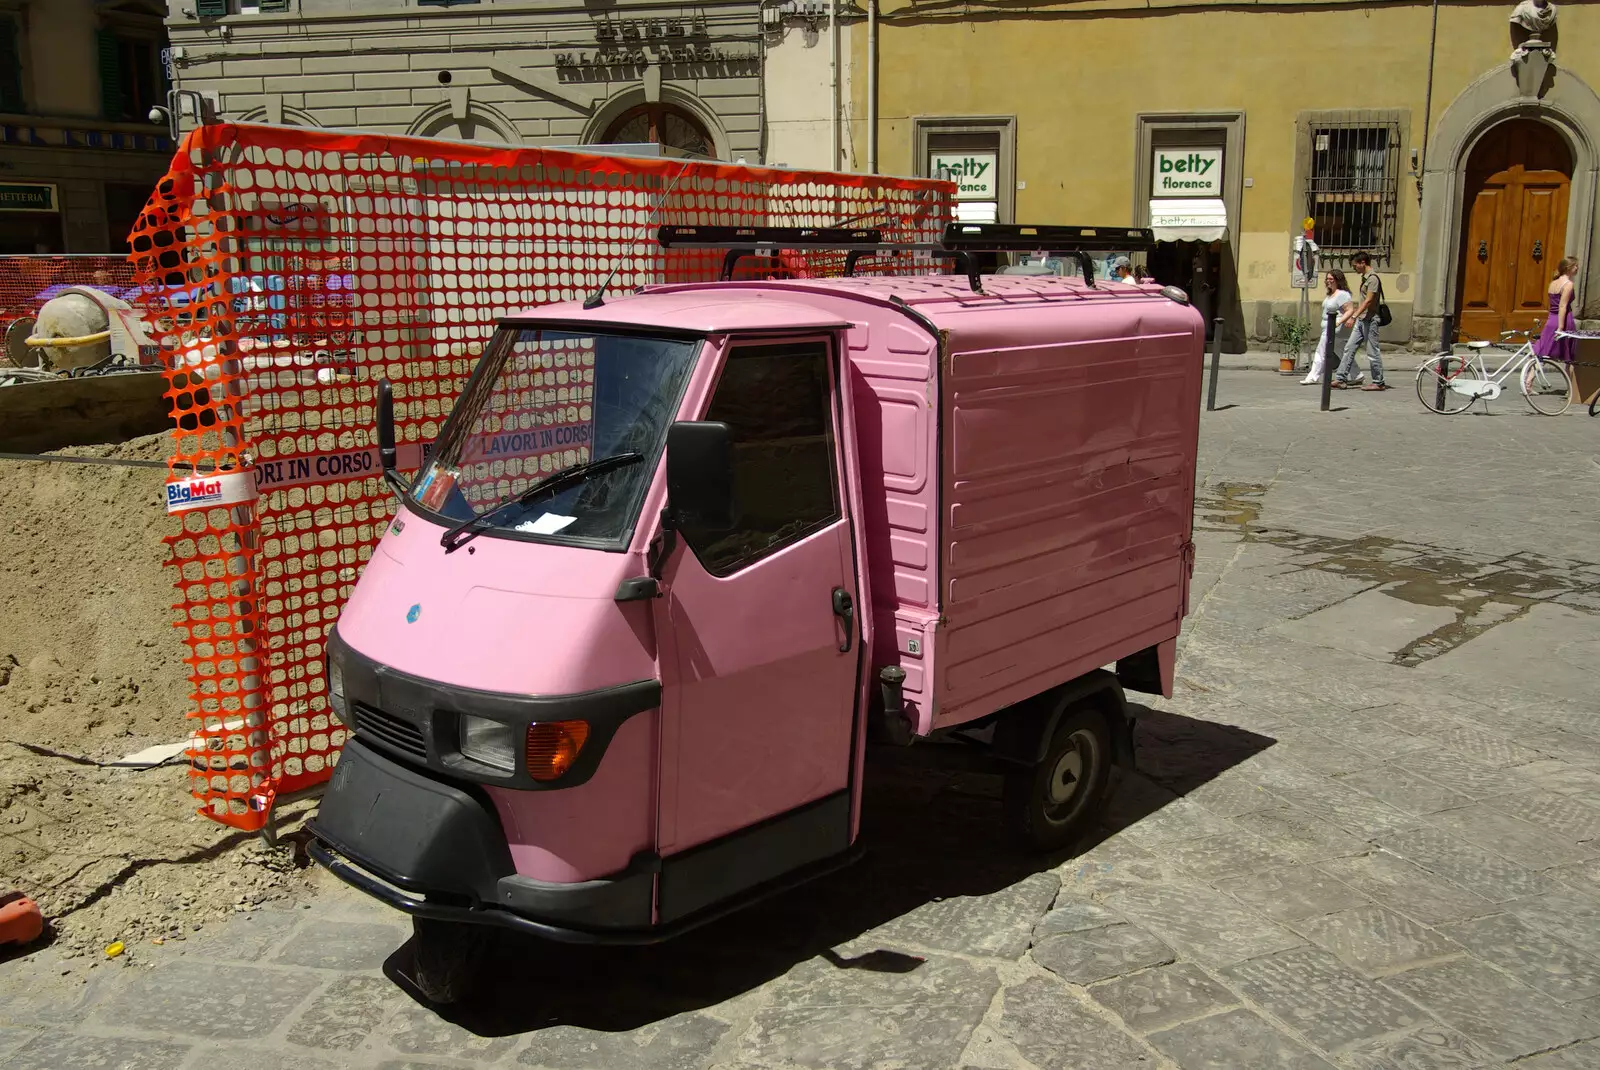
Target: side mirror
700,477
387,454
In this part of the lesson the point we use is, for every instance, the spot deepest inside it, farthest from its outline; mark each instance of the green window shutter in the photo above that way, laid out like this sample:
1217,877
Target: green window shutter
10,67
211,9
274,5
110,74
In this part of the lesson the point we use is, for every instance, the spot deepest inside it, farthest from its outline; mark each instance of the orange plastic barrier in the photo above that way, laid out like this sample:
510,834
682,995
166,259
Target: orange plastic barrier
286,271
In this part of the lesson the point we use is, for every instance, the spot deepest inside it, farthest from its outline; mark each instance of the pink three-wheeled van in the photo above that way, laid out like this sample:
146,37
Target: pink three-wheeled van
613,672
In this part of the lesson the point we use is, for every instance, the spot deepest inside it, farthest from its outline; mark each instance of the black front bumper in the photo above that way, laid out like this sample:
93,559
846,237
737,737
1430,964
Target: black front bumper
435,848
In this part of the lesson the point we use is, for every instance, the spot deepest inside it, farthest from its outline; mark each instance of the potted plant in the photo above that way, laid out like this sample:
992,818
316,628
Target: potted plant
1290,333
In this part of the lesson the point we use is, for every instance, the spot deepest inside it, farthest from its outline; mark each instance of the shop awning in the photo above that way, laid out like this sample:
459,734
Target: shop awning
1175,219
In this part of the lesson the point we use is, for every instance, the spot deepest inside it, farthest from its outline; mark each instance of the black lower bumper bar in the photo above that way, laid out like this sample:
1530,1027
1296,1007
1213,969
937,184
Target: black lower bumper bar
419,905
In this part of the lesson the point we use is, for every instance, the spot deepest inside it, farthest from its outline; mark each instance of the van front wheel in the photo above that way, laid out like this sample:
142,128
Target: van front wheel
1053,804
446,958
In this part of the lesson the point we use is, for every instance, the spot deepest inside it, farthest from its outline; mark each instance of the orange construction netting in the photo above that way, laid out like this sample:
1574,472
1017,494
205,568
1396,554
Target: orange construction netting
285,272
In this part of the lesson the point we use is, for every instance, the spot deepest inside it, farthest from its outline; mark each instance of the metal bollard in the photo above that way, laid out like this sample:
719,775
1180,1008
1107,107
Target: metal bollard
1447,349
1216,361
1328,359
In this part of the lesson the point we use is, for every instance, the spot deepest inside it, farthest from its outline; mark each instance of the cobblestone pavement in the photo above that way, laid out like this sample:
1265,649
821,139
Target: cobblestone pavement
1364,834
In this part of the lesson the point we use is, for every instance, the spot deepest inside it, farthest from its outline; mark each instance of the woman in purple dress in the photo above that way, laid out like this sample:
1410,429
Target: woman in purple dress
1561,315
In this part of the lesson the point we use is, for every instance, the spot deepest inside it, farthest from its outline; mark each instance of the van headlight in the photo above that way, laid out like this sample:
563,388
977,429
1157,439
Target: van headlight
489,742
336,699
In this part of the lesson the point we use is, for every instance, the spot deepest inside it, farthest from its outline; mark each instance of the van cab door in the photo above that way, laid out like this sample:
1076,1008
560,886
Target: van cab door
760,638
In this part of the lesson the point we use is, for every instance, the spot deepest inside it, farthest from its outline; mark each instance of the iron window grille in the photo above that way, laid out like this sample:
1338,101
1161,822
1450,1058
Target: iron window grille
216,9
1353,188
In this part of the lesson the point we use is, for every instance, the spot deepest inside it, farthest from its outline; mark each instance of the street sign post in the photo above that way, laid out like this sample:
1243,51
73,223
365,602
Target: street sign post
1303,274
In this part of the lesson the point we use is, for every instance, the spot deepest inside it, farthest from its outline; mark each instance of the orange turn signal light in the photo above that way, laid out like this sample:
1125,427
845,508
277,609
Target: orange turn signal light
553,746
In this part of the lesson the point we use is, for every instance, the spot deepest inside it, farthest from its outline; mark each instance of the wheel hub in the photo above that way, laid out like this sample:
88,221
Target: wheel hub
1066,777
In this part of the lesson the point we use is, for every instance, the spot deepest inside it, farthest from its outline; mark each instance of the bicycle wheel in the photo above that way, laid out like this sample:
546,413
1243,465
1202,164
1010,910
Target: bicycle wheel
1433,385
1546,386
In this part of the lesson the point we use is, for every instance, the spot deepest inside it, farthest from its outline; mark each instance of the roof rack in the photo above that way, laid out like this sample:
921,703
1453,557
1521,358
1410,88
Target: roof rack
1024,238
958,242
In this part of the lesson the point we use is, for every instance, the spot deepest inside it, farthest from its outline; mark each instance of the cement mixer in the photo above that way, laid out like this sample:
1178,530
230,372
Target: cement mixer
84,329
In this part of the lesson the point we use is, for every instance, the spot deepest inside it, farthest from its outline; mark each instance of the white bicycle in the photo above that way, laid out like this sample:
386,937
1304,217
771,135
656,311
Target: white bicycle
1448,384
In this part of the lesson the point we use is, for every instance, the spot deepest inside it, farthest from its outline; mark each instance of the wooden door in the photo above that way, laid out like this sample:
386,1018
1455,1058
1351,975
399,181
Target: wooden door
1517,184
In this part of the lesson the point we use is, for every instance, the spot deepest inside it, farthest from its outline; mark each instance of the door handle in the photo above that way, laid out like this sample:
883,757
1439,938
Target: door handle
1483,248
844,608
1538,249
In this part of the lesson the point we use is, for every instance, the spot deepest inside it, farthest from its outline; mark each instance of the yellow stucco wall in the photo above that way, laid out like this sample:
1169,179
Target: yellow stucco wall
1075,76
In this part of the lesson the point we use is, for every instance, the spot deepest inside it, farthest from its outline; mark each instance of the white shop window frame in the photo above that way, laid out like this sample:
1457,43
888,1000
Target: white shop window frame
928,130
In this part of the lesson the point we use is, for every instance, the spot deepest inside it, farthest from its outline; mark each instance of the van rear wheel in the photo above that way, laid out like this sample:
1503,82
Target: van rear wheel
1054,803
447,956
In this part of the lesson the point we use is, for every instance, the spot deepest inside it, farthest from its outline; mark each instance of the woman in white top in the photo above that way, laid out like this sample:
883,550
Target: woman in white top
1338,297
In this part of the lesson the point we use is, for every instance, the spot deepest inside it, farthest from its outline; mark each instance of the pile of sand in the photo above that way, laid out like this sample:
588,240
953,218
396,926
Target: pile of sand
89,659
91,669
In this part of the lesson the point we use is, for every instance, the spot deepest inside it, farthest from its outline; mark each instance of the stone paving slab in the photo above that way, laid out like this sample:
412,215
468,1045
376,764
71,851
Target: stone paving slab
1049,1026
1326,1002
1432,1047
1096,954
1212,858
1487,875
1406,889
1203,922
341,945
1158,999
1567,914
1234,1039
1403,790
1553,966
678,1043
1503,1015
1528,845
190,998
1293,892
54,1051
1073,917
997,925
822,1017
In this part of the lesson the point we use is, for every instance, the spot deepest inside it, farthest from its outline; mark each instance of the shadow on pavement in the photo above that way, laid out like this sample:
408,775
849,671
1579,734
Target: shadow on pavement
929,834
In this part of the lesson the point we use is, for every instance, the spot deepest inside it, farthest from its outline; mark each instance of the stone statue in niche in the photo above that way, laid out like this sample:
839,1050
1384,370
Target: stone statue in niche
1533,46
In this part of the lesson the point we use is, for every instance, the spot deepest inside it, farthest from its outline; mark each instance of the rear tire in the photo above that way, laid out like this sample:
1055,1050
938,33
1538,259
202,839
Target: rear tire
1433,389
447,958
1053,804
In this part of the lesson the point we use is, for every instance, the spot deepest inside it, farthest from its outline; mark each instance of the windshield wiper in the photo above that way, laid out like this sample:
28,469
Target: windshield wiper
466,531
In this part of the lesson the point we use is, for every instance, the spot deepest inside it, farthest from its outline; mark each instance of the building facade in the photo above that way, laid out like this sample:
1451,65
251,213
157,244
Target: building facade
681,79
78,152
1407,130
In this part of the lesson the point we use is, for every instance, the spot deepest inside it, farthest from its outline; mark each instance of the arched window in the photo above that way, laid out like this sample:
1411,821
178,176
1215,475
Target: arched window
660,124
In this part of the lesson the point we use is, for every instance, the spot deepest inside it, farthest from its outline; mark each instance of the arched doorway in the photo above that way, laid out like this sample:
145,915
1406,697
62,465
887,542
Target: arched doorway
1517,187
662,124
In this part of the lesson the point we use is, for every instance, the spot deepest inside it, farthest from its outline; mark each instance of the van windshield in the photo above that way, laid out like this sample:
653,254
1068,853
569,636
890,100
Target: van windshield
542,402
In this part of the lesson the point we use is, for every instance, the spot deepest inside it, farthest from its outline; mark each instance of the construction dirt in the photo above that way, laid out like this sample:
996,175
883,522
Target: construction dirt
91,669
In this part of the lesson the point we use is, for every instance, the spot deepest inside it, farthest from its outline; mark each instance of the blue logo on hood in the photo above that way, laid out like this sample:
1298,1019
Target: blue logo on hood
413,613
